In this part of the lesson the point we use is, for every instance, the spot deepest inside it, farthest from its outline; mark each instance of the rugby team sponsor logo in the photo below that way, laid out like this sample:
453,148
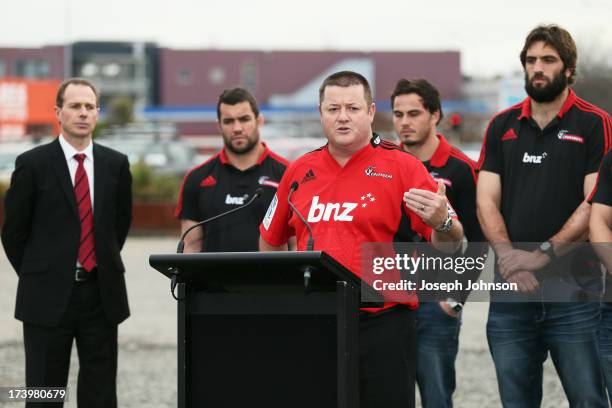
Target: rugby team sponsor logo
509,135
270,213
232,200
371,172
564,135
534,159
208,181
345,211
310,175
437,177
265,181
330,211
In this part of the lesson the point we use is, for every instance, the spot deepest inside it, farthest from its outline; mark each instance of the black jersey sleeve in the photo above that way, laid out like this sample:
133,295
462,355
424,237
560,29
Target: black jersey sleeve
465,206
597,144
490,154
603,189
187,207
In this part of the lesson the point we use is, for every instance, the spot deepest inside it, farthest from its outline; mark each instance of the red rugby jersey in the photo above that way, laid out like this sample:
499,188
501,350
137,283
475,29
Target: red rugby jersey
348,206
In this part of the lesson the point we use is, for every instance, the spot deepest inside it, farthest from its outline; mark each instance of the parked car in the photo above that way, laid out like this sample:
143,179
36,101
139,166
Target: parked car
9,152
290,141
172,157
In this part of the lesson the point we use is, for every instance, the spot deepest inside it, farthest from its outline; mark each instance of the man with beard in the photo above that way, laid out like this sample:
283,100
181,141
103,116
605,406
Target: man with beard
229,179
416,113
538,163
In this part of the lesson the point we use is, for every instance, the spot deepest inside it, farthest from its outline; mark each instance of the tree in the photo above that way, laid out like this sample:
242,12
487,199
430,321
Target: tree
594,79
120,111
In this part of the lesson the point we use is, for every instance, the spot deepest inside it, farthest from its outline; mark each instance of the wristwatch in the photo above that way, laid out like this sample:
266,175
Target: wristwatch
446,225
456,306
546,247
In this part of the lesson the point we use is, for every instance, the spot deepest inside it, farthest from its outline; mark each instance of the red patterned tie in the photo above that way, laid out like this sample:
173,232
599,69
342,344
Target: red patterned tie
87,247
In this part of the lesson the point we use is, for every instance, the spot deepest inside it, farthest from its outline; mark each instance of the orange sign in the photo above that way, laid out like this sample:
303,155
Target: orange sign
25,103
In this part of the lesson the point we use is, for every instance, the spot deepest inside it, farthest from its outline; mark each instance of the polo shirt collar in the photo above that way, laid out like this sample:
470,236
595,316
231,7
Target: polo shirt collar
358,156
225,160
569,102
440,156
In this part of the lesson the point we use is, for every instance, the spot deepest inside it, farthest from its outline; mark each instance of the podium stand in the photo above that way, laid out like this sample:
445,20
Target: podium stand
251,334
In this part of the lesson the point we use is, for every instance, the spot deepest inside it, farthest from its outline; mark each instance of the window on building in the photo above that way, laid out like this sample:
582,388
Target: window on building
184,76
248,75
216,75
32,68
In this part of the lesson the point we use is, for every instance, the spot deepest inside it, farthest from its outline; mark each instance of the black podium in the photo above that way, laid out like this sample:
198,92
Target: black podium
251,334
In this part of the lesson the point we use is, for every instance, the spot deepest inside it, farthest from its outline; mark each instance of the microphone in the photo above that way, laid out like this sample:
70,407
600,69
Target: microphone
310,243
181,245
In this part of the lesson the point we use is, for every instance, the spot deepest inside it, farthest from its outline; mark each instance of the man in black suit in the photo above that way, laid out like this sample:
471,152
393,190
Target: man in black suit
67,215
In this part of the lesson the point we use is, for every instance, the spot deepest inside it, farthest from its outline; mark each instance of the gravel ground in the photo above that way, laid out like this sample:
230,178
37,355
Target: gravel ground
147,341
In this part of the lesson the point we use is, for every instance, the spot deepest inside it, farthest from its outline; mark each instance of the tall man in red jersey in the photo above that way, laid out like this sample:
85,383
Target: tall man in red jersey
359,189
538,163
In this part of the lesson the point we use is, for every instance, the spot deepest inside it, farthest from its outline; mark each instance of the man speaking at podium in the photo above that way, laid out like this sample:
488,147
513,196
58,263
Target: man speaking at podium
358,189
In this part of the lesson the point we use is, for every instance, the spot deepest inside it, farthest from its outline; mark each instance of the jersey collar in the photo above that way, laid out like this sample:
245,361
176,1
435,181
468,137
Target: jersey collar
569,102
225,160
360,155
440,156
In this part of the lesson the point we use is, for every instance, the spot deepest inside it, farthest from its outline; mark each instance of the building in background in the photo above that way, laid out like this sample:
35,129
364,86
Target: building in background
26,108
119,69
182,86
286,83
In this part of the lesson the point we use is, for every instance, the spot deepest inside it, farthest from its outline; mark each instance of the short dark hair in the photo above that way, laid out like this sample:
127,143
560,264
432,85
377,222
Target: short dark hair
345,79
59,97
428,93
558,38
234,96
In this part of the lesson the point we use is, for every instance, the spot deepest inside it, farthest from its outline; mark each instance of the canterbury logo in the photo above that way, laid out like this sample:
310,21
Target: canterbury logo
444,180
265,181
563,135
330,211
371,173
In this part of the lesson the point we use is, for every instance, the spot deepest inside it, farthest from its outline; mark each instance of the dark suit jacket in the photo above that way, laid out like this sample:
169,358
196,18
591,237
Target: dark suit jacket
41,232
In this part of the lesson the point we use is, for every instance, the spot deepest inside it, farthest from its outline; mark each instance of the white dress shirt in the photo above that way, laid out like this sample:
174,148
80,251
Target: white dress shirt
69,152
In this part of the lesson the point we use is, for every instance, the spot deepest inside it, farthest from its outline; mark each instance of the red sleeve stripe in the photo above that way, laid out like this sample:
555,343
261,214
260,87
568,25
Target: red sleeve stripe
179,205
390,145
590,197
606,120
279,159
458,154
481,158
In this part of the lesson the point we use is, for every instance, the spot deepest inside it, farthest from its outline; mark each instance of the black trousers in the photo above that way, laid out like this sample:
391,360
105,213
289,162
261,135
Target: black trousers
387,359
47,351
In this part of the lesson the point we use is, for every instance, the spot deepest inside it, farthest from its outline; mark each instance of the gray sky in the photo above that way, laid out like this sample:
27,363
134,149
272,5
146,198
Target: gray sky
489,34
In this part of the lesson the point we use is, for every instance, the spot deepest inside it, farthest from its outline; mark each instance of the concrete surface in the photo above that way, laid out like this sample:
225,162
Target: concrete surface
147,341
